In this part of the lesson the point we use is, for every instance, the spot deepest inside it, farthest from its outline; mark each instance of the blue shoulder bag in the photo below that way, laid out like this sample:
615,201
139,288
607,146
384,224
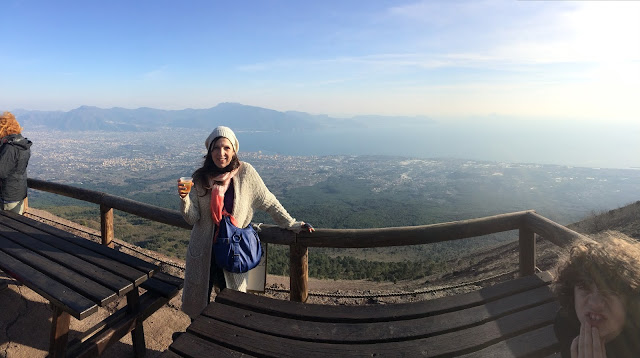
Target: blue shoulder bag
237,250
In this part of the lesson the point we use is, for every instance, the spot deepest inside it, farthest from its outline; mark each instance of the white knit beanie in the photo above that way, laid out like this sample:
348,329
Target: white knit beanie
223,131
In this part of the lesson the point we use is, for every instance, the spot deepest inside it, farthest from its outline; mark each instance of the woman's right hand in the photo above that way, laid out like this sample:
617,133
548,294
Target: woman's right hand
588,344
184,188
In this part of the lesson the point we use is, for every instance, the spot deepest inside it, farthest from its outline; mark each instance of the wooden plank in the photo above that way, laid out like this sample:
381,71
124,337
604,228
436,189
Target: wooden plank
9,218
59,333
372,332
87,250
527,252
448,344
96,339
170,279
412,235
160,287
298,273
88,269
155,213
541,342
188,345
380,313
59,295
137,334
552,231
56,272
264,345
479,337
169,354
106,225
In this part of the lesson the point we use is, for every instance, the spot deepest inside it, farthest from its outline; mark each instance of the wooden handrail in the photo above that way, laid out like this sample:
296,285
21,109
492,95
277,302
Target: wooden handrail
552,231
528,223
151,212
412,235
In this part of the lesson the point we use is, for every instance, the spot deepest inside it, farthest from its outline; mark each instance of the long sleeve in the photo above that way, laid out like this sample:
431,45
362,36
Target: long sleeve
252,193
7,160
189,208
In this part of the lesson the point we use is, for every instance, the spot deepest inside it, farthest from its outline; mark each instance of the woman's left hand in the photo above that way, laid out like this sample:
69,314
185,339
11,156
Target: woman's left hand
308,227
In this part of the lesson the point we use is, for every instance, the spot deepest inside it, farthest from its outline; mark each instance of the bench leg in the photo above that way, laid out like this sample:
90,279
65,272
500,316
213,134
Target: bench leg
137,334
59,333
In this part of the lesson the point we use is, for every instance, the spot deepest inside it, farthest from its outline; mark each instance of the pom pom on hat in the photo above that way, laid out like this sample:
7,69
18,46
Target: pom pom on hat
223,131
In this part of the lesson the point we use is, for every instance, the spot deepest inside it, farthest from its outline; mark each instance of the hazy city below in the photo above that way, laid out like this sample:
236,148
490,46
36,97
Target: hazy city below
145,165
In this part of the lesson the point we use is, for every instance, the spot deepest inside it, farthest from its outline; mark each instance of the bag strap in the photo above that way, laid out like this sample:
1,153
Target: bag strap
217,231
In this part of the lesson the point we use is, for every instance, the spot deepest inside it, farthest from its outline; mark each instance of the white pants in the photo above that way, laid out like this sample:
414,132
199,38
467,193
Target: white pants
236,281
16,207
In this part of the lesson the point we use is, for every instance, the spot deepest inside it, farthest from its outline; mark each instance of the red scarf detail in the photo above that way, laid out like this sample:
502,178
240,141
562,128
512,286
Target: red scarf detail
219,185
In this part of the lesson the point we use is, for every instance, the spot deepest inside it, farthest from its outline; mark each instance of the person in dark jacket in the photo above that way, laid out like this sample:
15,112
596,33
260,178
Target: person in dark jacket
598,287
15,151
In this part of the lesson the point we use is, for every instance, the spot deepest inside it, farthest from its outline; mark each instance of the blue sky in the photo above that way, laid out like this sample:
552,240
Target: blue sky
529,59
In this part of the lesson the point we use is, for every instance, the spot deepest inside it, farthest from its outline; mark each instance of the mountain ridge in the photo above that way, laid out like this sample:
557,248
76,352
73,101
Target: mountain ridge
239,116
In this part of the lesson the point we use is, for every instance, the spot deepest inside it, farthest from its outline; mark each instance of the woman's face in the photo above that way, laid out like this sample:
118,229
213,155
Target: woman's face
222,152
604,310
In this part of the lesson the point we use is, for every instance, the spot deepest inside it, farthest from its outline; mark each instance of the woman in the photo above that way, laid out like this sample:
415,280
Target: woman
15,151
599,291
222,184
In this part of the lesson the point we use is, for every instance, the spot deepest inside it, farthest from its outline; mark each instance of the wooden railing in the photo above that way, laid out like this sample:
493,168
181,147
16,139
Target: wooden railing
528,223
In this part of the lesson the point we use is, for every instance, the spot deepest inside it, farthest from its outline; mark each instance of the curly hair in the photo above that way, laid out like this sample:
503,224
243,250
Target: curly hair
9,125
612,263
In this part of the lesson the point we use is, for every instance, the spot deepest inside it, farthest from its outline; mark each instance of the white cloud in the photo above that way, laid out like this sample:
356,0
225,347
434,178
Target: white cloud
156,74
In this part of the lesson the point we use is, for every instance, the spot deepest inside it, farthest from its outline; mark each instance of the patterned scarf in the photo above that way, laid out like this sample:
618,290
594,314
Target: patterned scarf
219,185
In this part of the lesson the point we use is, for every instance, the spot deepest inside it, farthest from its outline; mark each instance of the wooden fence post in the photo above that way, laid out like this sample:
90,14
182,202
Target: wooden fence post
106,225
527,244
298,273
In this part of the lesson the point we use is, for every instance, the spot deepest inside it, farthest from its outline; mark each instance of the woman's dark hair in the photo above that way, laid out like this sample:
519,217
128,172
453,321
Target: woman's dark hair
210,169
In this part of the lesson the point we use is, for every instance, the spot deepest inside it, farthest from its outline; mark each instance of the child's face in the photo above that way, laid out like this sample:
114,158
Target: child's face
604,310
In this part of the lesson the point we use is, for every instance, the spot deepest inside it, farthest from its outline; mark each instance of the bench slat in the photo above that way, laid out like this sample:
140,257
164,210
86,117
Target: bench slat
169,354
162,288
188,345
163,284
170,279
490,333
77,246
82,267
372,332
129,260
78,306
85,287
538,343
381,313
452,343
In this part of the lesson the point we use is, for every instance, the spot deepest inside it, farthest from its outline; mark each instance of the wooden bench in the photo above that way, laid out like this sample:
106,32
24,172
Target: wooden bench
160,289
510,319
78,276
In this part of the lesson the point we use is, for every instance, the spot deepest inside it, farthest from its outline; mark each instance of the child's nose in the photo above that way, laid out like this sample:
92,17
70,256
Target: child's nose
597,299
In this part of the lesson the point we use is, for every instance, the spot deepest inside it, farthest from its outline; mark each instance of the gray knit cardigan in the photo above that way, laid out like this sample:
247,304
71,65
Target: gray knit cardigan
250,194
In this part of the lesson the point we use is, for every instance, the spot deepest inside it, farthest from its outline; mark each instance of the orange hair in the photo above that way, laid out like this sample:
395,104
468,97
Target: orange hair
9,125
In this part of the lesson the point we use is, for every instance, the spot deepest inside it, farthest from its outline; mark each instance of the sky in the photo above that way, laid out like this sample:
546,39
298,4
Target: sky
442,59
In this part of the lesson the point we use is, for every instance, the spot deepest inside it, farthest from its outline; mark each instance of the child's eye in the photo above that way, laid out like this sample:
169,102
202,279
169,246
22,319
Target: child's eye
609,293
584,286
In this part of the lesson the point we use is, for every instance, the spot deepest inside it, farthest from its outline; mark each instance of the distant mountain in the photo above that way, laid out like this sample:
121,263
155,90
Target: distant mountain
237,116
